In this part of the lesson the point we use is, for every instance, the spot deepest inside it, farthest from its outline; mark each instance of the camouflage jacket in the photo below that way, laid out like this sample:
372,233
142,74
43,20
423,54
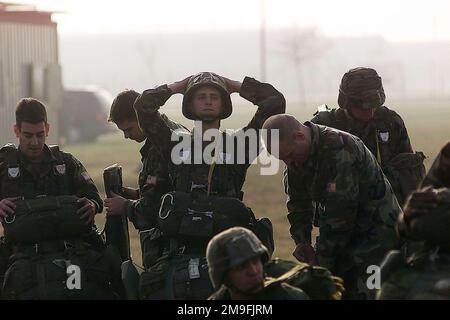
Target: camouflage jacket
386,137
344,189
273,290
422,276
59,173
227,179
439,174
153,183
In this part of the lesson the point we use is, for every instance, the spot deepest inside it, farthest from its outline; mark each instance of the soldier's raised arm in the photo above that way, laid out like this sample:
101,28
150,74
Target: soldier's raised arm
269,100
156,126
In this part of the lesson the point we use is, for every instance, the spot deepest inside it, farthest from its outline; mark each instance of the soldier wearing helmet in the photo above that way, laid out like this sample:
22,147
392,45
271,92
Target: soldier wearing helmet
196,181
425,274
362,113
235,259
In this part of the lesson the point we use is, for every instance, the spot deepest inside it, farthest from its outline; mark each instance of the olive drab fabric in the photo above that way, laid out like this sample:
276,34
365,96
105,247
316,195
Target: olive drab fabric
153,182
425,275
273,290
206,79
223,180
439,174
387,138
39,261
40,271
46,218
434,226
344,191
317,282
193,220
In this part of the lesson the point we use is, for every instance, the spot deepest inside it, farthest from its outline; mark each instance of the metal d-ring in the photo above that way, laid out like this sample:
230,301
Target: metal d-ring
162,204
10,221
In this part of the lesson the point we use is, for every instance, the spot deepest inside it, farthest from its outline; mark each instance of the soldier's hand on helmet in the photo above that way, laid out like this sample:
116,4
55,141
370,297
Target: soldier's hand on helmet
420,202
7,207
179,86
114,205
87,210
304,252
232,85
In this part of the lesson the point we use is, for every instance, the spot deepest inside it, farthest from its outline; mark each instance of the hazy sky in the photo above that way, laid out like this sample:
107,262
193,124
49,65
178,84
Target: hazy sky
393,19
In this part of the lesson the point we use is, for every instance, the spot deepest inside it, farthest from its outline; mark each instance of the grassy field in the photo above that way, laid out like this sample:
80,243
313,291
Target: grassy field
427,122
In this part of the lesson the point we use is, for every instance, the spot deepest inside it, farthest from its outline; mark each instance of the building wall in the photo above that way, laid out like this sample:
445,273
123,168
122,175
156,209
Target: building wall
28,68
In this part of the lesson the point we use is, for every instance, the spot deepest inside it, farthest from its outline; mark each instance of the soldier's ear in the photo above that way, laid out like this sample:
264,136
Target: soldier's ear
298,135
16,130
47,129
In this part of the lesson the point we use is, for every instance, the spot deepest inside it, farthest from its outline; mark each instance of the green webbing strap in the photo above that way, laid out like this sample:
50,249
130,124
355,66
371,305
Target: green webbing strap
211,170
378,149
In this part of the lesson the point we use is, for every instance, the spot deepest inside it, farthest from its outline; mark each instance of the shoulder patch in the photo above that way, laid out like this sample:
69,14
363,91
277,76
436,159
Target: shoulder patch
86,176
334,139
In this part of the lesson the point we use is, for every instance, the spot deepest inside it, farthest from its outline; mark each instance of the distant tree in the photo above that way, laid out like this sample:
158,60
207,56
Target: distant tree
301,46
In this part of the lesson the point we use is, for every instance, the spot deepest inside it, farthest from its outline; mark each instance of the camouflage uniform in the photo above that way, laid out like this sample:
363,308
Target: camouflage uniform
142,212
343,190
385,135
235,247
226,180
425,274
439,174
273,290
31,275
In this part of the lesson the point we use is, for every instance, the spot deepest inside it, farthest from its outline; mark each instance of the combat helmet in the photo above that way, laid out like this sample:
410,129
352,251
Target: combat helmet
231,248
361,88
210,79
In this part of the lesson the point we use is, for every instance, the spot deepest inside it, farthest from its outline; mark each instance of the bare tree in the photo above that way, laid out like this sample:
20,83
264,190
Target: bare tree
301,46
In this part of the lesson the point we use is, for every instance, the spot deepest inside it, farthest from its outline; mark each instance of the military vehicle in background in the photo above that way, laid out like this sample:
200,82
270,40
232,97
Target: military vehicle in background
83,116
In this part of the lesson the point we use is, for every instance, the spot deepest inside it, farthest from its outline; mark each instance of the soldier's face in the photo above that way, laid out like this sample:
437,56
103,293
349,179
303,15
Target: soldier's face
248,277
295,151
131,130
207,103
32,138
362,115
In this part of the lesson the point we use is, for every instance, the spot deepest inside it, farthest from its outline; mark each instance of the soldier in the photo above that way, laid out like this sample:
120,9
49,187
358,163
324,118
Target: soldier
361,112
333,181
140,205
425,274
202,186
235,258
48,204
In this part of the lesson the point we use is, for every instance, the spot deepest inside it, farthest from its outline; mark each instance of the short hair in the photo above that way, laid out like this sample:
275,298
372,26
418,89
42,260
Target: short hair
122,106
286,125
30,110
